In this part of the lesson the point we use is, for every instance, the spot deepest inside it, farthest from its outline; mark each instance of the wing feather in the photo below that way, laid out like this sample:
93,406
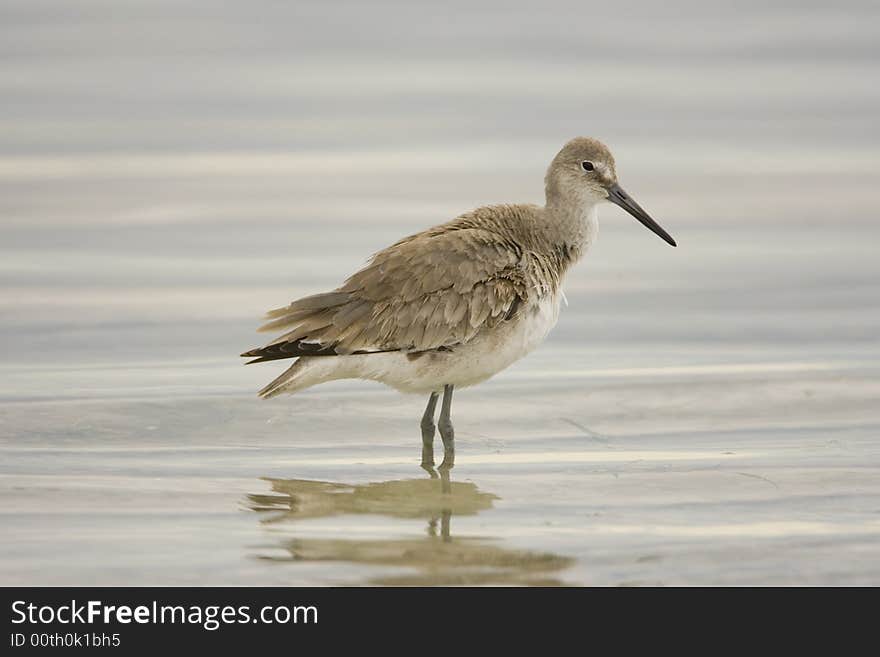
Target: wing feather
432,290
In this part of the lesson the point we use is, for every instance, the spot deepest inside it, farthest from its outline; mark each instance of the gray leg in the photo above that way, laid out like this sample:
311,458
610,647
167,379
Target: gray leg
447,432
428,435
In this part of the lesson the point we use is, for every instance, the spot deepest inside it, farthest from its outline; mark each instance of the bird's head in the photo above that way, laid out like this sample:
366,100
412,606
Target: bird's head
583,174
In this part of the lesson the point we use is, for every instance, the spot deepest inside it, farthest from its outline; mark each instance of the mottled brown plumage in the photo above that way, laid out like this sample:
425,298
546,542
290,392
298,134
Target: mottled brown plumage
437,288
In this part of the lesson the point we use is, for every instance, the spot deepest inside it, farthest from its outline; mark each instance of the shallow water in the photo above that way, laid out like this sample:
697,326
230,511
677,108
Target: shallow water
700,415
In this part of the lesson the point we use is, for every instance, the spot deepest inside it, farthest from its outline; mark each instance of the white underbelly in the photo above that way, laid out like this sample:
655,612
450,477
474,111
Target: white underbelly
487,354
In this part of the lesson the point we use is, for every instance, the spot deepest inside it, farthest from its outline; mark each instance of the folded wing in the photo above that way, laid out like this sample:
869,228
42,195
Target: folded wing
433,290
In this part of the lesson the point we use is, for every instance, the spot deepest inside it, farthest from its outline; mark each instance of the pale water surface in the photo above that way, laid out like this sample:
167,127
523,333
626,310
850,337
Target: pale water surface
701,415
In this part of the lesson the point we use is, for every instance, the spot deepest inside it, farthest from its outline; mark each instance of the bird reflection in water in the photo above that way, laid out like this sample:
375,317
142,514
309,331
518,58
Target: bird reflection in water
435,558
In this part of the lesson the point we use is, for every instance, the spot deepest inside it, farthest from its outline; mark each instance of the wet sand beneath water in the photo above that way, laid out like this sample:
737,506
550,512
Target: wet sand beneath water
765,476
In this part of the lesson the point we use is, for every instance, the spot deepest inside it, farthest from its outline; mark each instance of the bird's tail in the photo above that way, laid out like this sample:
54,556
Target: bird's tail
285,379
304,373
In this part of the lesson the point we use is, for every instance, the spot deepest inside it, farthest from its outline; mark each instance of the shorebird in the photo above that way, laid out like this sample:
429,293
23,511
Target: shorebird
455,304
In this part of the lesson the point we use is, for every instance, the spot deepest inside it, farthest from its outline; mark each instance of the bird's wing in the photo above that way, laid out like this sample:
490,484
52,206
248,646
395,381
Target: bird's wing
432,290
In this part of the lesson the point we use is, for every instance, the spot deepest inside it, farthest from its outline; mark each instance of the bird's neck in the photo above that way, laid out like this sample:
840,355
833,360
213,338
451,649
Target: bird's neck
573,225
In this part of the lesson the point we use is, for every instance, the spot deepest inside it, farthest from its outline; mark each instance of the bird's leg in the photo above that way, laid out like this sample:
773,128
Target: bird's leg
447,432
428,436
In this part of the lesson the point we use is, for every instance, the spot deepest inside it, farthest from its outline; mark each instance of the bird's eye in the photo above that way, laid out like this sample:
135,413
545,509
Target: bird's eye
588,166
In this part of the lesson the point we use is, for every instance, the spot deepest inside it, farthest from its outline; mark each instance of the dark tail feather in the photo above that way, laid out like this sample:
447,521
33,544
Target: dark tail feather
281,350
297,348
264,359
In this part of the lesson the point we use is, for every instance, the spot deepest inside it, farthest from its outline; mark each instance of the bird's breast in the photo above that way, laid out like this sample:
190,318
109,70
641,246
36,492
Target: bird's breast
539,318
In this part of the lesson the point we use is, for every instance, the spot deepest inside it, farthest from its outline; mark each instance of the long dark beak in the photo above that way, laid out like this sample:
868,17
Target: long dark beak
619,197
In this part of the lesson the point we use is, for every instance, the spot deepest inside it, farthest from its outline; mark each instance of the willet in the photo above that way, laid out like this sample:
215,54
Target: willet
455,304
